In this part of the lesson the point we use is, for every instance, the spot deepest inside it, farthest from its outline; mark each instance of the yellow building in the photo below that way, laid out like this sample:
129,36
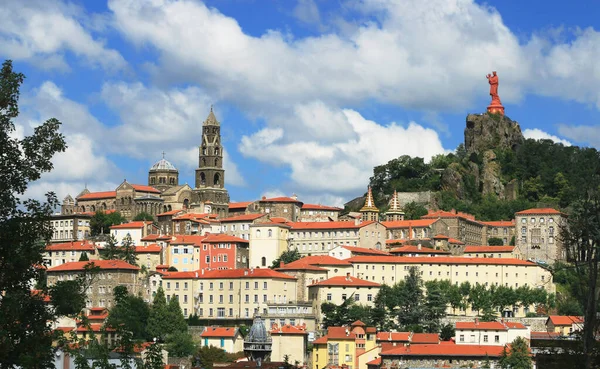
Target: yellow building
342,346
267,242
150,256
565,325
289,340
226,338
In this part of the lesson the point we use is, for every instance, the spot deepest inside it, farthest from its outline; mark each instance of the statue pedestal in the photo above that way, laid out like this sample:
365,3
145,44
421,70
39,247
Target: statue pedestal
495,108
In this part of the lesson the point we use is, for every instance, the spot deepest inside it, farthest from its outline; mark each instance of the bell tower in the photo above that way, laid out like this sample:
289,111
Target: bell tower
210,175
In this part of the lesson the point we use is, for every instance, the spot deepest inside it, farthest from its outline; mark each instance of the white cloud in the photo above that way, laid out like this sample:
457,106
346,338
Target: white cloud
307,12
342,167
538,134
42,31
589,135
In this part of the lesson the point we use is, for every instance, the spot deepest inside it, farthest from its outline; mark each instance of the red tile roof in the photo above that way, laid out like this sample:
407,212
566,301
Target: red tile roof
181,275
423,338
156,237
565,319
187,240
321,340
102,264
364,250
191,216
148,249
393,336
340,333
94,328
439,260
144,188
358,323
445,350
313,261
98,195
239,205
219,332
45,297
411,249
243,218
448,214
320,207
418,223
344,281
280,199
243,273
222,237
539,211
130,225
515,325
71,246
375,361
289,329
171,212
500,223
328,225
475,249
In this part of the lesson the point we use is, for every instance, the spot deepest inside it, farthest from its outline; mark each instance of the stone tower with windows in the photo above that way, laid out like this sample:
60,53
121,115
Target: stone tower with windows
163,175
210,175
395,211
369,211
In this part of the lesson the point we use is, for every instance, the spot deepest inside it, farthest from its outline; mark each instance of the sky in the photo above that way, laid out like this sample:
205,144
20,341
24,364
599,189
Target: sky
311,94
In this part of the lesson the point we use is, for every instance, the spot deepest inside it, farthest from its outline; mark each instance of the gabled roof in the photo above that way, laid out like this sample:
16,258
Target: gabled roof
239,205
320,207
144,188
475,249
364,250
423,338
243,273
340,333
500,223
376,362
445,350
102,264
394,336
417,223
222,237
153,248
540,211
219,332
187,240
345,281
170,212
328,225
411,249
313,261
439,260
243,218
71,246
289,329
565,319
98,195
191,216
156,237
280,199
130,225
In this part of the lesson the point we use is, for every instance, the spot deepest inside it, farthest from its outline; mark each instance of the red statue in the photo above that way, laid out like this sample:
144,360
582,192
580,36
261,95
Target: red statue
495,106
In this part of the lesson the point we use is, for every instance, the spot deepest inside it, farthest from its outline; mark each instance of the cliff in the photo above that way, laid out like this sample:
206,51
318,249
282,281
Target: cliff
490,132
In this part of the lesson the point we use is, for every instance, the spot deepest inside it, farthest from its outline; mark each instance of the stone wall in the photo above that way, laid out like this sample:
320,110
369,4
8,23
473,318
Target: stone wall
423,197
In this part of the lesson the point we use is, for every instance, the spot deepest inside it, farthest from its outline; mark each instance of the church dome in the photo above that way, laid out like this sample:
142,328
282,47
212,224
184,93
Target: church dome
163,165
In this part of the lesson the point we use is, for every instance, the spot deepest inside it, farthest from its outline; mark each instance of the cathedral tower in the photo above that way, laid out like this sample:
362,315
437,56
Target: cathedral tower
163,175
395,211
369,210
210,175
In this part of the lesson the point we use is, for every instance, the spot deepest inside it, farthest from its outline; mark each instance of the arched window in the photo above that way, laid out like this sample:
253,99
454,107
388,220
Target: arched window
186,203
170,208
263,261
258,233
216,162
162,180
172,181
93,208
270,233
152,180
217,179
202,178
203,150
217,151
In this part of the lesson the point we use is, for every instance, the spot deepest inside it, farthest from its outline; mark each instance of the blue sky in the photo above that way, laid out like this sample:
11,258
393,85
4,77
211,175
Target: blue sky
311,94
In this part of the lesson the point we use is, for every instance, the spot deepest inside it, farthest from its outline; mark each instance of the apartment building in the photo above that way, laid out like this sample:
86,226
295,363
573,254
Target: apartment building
61,253
195,224
211,251
489,333
318,238
342,346
419,229
344,252
136,230
319,213
239,225
492,252
337,289
538,235
111,273
503,229
461,226
149,256
70,227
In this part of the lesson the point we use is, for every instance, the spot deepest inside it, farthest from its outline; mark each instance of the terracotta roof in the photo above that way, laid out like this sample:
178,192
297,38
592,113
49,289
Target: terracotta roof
222,237
439,260
358,323
515,325
156,237
320,207
344,281
94,328
371,330
289,329
340,333
445,350
181,275
441,237
314,261
171,212
475,249
219,332
565,319
102,264
191,216
71,246
411,249
148,249
321,340
243,273
279,199
500,223
364,250
448,214
539,211
423,338
243,218
239,205
98,195
393,336
144,188
375,361
130,225
187,240
418,223
328,225
45,297
278,220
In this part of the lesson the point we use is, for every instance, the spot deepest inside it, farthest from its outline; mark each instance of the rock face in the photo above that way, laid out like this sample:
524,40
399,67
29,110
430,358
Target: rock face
487,132
490,176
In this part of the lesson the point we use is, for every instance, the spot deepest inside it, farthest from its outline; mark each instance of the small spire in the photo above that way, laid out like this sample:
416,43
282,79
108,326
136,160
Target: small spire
369,203
163,154
211,108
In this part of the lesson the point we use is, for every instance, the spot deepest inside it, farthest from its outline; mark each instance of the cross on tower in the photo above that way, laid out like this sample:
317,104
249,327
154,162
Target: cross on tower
163,153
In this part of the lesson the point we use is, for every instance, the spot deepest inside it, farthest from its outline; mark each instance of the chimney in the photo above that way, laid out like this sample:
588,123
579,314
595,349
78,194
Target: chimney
264,198
281,264
196,274
419,246
476,321
294,196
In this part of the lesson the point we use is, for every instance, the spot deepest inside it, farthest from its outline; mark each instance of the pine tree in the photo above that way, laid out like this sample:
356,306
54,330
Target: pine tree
411,300
84,257
175,316
154,358
158,322
517,356
127,250
111,250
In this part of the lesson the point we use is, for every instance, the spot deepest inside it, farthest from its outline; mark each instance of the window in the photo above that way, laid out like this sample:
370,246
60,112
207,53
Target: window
329,297
231,299
485,338
369,297
221,314
344,297
264,285
356,297
247,285
496,339
461,338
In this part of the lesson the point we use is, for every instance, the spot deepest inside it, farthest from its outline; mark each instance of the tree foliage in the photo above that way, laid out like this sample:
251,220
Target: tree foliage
143,216
517,356
130,313
286,257
126,251
100,222
206,356
495,241
158,325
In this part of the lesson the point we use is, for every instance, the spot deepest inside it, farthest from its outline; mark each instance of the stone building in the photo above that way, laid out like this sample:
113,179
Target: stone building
289,208
395,210
462,226
369,211
70,227
502,229
210,175
111,273
538,234
163,175
319,213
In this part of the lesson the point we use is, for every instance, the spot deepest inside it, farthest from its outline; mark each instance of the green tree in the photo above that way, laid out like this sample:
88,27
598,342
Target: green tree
384,308
410,300
434,307
517,356
413,210
100,222
447,332
286,257
25,227
126,251
495,241
206,356
130,313
533,189
143,216
158,323
111,249
84,257
154,358
480,298
180,344
175,316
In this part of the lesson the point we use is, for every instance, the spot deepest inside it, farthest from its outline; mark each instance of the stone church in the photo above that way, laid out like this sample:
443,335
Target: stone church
163,192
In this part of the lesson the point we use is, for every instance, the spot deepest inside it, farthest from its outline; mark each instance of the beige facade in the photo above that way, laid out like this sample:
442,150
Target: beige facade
489,333
337,289
61,253
149,256
504,230
111,273
226,338
239,225
267,242
319,213
289,340
510,252
318,238
70,227
538,234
